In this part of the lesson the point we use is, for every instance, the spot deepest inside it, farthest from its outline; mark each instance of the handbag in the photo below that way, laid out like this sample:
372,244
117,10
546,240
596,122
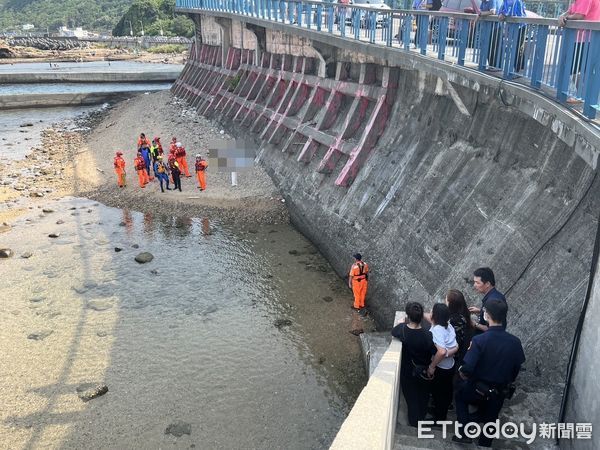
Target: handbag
418,370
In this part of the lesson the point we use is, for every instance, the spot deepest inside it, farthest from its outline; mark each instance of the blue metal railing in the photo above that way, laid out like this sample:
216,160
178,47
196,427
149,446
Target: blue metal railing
561,62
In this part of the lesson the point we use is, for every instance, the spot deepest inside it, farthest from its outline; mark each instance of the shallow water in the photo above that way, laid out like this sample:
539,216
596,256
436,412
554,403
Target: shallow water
93,66
16,140
243,334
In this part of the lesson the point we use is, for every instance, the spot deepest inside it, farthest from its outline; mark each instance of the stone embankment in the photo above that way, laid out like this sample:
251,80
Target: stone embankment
44,43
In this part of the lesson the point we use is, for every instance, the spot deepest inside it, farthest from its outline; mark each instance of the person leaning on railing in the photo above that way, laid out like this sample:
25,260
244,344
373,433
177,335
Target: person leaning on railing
515,8
489,8
580,10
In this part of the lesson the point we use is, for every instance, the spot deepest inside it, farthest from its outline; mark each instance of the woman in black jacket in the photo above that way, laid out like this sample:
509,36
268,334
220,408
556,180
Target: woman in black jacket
417,350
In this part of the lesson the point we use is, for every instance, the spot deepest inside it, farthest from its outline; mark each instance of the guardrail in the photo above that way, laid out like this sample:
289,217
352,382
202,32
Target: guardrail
371,423
560,62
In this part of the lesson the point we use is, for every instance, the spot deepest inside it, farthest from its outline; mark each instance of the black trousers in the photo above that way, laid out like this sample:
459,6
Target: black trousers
488,410
441,391
416,393
176,180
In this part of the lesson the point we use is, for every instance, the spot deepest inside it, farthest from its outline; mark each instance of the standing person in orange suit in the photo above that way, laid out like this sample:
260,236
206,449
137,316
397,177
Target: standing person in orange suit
201,166
140,166
159,144
181,160
173,145
358,280
119,164
143,141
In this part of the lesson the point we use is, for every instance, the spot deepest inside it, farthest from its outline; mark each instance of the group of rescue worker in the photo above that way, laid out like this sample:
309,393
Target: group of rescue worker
150,155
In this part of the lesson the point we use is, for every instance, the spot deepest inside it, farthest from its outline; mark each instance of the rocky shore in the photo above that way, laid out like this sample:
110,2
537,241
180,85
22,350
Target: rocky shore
78,161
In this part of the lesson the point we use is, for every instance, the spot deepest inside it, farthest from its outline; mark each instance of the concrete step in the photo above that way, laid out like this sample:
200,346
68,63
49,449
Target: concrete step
407,438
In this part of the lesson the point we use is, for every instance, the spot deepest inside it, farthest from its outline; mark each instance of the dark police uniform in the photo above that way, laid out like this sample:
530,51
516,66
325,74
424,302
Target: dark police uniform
493,361
493,294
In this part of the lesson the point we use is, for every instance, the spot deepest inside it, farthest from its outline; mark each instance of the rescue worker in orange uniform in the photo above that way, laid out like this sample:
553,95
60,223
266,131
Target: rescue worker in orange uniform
358,279
201,166
120,169
181,160
140,166
173,145
143,141
159,145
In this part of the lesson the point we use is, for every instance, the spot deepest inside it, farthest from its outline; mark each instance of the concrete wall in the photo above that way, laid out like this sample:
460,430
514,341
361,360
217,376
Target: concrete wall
583,404
461,177
443,194
51,100
89,77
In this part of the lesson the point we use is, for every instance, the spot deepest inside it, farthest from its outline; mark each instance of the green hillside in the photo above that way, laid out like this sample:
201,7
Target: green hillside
154,15
96,15
90,14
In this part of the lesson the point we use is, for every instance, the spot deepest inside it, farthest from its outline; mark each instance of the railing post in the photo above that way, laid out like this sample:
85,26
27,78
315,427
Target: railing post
299,13
319,16
511,48
342,22
356,23
388,23
308,11
442,36
330,18
537,70
423,30
591,89
372,26
406,29
565,62
485,38
463,40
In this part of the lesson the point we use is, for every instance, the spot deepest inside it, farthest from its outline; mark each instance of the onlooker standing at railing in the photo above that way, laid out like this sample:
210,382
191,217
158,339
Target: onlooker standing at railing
490,8
514,8
580,10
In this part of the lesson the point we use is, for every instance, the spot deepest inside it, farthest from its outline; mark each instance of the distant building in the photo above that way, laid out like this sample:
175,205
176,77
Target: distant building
78,32
28,27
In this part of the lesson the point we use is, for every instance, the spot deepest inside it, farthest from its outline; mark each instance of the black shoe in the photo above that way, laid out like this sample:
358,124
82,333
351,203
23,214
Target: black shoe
169,189
462,440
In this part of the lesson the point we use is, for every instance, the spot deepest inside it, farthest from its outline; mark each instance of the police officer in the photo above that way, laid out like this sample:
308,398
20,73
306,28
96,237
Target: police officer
490,366
484,282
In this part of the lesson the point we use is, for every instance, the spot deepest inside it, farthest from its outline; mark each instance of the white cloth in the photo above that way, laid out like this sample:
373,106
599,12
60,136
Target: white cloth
445,338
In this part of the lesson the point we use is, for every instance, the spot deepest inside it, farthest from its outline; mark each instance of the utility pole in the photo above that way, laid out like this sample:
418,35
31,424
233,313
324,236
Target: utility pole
130,28
142,23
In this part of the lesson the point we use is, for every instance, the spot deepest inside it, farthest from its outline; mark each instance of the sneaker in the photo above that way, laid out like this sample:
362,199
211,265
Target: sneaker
462,440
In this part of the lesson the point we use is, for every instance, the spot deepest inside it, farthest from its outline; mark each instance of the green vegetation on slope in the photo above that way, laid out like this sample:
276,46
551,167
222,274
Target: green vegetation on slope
52,14
120,16
154,15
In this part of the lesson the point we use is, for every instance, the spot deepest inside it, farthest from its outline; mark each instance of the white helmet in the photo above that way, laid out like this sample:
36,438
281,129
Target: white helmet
178,144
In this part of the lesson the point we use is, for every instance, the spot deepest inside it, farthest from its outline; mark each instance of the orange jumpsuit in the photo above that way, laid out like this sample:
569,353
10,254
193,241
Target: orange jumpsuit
201,166
143,142
183,166
140,166
358,275
120,170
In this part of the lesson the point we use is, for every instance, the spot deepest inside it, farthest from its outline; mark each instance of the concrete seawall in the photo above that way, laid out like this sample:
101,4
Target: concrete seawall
428,174
52,100
89,77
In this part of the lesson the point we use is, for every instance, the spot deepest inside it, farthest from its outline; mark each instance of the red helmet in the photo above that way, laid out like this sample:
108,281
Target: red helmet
119,154
174,139
156,138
